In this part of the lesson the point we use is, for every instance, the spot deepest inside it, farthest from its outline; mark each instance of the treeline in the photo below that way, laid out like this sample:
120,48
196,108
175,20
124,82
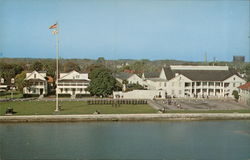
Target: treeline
10,67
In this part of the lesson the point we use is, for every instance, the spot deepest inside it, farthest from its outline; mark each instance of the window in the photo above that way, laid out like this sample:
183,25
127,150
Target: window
204,83
35,76
187,84
165,84
173,92
179,91
233,84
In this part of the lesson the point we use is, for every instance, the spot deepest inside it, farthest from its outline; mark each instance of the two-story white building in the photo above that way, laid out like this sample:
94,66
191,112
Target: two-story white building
196,81
36,83
73,83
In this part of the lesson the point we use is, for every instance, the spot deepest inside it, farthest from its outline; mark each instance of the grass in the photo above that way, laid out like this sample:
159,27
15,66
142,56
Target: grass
47,108
81,107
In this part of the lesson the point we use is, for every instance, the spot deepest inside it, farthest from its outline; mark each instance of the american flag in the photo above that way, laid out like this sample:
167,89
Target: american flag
53,26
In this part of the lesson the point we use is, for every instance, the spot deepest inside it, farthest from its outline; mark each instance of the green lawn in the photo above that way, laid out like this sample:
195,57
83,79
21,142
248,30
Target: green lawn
47,108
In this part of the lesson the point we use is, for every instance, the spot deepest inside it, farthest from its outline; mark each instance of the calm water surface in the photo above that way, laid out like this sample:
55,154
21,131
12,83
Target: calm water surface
127,140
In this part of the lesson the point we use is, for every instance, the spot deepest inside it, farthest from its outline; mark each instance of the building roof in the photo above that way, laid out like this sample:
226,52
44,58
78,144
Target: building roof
37,71
157,79
200,75
123,75
40,75
73,80
50,79
72,75
245,86
152,74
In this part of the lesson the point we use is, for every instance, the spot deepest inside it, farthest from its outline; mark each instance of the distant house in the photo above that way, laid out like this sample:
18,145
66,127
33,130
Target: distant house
153,81
129,77
244,92
73,83
3,85
36,83
6,85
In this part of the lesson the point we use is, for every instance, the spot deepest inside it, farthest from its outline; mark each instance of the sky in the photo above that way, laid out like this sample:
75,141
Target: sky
126,29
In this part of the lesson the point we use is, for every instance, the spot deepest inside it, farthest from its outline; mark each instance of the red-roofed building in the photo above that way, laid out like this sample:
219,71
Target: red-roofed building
50,81
244,92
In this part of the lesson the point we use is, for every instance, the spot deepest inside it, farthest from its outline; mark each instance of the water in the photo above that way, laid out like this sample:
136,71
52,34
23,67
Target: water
189,140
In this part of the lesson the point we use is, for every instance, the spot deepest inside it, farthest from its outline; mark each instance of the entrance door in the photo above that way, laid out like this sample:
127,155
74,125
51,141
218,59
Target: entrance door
41,91
73,91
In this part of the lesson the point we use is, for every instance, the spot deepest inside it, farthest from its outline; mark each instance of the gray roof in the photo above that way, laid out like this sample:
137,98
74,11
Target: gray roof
157,79
123,75
152,74
201,75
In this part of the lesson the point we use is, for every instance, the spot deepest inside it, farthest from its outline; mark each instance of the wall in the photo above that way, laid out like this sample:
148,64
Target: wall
139,94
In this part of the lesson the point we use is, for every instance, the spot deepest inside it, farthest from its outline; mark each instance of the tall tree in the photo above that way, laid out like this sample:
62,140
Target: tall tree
102,82
247,68
70,66
100,61
7,72
38,66
19,81
50,68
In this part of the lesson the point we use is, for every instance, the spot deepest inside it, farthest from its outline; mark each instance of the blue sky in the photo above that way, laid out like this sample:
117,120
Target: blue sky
119,29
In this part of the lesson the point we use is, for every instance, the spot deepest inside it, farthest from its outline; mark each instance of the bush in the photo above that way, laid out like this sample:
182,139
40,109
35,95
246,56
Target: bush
30,95
236,95
82,95
64,95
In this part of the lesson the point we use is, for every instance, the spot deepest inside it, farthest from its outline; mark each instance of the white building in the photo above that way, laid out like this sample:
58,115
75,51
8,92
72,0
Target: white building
129,77
244,92
73,83
140,94
36,83
3,85
196,81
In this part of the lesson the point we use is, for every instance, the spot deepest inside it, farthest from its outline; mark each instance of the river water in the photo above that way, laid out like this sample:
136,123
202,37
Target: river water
189,140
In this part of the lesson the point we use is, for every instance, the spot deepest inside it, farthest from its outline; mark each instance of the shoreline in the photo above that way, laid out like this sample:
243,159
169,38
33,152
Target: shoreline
126,117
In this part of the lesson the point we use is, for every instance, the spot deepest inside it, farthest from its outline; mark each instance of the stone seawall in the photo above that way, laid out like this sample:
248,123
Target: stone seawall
126,117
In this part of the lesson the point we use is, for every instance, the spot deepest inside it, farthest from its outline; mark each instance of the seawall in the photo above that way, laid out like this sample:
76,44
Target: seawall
126,117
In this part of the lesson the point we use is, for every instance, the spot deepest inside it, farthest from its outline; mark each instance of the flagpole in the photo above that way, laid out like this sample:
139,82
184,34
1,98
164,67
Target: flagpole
57,66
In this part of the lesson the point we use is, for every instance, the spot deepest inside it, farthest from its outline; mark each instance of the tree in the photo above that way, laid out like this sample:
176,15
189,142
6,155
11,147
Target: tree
100,61
236,95
70,66
19,81
134,86
247,68
18,68
50,68
7,72
37,66
102,82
